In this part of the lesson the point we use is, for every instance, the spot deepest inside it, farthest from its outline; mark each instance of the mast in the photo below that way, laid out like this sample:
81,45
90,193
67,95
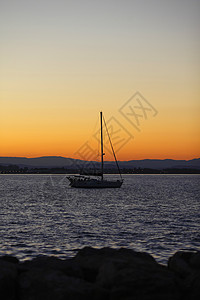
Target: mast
101,146
113,150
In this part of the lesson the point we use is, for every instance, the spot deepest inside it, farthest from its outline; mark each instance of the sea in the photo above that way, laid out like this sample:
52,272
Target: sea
43,215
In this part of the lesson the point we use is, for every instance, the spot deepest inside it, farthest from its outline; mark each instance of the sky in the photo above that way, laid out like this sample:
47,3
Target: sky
62,62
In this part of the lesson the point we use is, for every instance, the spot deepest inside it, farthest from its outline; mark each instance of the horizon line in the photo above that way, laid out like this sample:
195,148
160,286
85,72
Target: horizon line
57,156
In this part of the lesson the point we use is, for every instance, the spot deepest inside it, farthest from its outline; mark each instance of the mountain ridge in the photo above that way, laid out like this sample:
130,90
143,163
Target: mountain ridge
60,161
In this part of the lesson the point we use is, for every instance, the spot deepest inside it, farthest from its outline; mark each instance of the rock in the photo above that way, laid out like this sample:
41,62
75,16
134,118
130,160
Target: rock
127,274
8,280
67,266
51,284
193,280
195,260
137,280
109,274
149,286
179,263
192,283
9,258
90,259
187,266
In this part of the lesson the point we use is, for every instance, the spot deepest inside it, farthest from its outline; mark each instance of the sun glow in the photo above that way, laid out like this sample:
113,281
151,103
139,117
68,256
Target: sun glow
61,66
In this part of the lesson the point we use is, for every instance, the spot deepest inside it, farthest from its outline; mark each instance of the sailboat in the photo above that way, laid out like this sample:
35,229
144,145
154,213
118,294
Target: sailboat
79,181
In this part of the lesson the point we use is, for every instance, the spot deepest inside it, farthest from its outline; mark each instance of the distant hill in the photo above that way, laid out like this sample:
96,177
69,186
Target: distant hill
59,161
162,163
36,162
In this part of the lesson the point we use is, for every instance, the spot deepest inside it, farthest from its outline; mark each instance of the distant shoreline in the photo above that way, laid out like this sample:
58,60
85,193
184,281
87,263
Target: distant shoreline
63,165
61,171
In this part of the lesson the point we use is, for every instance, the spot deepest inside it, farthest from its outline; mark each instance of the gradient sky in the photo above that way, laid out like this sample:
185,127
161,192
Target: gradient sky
61,62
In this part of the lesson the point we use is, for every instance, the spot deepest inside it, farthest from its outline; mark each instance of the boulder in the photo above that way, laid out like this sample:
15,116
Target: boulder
52,284
137,280
8,280
179,263
90,259
67,266
194,261
187,265
109,274
10,258
128,274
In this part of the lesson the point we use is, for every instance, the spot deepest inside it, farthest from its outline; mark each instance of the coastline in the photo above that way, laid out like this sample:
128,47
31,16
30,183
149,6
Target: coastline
104,273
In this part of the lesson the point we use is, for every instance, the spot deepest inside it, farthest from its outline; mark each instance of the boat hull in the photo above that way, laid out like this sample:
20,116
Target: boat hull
94,184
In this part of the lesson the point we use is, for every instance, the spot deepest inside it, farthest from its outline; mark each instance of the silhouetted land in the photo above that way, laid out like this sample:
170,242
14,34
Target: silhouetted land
69,163
95,274
63,165
14,169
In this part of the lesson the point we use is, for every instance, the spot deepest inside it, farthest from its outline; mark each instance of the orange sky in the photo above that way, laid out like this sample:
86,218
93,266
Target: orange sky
60,66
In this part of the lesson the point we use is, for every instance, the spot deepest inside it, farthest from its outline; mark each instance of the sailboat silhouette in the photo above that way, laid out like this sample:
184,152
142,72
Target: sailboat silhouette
79,181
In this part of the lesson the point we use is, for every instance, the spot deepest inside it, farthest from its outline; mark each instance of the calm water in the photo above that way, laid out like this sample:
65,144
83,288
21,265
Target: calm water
41,214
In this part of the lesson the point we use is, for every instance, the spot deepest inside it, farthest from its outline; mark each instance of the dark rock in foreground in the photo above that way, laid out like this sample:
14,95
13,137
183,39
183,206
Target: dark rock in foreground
101,274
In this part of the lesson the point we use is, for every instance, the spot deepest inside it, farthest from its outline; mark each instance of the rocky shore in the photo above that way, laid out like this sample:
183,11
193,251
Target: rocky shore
106,273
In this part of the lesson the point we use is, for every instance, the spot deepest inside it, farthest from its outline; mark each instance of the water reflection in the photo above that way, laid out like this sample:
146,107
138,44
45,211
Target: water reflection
41,214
